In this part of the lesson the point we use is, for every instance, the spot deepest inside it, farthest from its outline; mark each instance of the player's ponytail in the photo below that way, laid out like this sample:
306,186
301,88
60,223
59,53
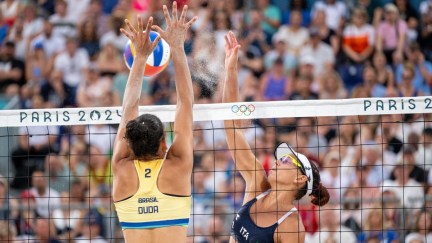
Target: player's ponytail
320,195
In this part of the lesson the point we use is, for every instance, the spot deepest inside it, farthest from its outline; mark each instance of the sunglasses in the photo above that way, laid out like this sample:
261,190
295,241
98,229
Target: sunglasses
293,159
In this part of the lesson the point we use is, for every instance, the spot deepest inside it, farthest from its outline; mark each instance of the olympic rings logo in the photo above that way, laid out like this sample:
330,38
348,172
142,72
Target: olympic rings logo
243,109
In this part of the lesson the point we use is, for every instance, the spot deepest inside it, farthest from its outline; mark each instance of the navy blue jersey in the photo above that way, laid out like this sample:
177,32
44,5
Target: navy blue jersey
244,230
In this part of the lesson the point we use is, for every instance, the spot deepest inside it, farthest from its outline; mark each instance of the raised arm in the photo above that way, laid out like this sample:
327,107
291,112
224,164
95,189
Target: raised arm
246,162
174,35
143,48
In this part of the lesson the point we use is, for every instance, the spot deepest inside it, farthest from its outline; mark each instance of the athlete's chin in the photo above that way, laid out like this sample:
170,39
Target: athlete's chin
271,177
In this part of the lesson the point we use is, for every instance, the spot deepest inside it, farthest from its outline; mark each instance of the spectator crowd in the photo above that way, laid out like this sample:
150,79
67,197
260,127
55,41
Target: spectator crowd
68,53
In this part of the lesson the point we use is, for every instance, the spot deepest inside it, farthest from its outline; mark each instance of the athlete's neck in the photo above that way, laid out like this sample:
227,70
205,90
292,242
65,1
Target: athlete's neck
280,200
149,158
159,155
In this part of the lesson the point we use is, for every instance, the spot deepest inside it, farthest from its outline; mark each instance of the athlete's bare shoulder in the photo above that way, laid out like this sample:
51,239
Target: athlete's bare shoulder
291,229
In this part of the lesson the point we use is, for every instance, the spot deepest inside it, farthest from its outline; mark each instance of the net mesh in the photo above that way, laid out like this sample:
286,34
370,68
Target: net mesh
374,156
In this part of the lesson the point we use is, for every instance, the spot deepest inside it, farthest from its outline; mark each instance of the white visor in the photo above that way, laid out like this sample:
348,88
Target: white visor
284,149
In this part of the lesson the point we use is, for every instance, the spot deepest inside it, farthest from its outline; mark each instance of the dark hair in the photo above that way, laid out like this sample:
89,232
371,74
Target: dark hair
9,44
214,19
39,169
279,61
304,77
93,37
320,195
144,134
303,5
427,131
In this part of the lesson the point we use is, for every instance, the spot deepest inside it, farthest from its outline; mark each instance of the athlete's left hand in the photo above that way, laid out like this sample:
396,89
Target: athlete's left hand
175,33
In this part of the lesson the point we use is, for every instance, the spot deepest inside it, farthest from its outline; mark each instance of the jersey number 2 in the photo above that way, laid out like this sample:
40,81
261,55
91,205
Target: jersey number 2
147,173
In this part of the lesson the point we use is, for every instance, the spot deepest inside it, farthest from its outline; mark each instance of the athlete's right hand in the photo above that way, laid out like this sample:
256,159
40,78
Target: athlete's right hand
231,51
140,37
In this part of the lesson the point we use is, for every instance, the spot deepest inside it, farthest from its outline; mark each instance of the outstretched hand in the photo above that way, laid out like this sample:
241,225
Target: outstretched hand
140,38
175,32
231,51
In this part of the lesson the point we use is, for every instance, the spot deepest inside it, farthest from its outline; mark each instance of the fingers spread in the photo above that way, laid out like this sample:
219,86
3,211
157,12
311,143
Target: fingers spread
183,14
190,23
127,34
157,29
167,15
227,41
233,38
149,24
174,11
155,42
236,48
139,20
130,27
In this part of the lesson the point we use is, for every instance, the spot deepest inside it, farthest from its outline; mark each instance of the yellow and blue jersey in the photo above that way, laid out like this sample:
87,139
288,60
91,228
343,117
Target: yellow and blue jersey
149,207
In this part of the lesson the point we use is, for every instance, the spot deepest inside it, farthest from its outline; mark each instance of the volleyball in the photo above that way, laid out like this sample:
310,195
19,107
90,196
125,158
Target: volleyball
156,62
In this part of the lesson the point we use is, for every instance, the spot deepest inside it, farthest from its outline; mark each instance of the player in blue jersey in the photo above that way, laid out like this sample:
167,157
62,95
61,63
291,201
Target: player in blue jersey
268,213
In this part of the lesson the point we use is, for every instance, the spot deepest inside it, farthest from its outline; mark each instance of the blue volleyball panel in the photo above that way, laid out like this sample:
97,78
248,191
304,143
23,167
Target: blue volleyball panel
158,51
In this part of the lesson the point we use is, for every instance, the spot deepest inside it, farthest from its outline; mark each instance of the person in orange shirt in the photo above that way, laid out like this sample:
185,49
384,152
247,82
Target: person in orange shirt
358,38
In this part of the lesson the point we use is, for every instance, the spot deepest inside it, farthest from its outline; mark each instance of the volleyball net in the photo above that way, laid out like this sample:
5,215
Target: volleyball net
374,156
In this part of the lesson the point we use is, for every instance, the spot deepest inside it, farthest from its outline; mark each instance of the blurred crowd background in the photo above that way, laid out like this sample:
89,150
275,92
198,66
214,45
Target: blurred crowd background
68,53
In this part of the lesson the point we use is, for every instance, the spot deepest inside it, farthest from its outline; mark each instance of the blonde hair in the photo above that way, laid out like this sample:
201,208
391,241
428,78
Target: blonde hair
384,224
324,80
371,214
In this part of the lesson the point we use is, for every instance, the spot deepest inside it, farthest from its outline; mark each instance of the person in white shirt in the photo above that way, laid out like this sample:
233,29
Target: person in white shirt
330,228
114,35
9,10
280,51
52,44
63,24
72,63
336,12
423,157
408,190
47,199
422,232
78,7
294,35
92,91
102,136
332,177
322,53
425,7
68,218
33,24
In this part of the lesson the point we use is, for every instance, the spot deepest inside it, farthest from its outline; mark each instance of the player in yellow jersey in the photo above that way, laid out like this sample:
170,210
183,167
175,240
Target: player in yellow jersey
151,184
